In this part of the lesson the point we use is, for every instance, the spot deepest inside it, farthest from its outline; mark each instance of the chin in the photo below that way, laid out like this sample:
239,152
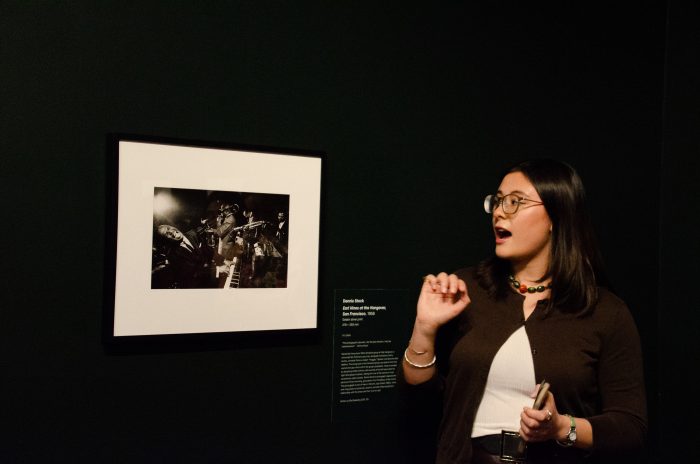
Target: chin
501,253
510,256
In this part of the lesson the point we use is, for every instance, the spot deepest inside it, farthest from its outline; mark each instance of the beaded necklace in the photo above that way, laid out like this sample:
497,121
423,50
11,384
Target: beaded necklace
522,288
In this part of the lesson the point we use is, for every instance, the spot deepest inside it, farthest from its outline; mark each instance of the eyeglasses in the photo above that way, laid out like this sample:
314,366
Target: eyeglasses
510,203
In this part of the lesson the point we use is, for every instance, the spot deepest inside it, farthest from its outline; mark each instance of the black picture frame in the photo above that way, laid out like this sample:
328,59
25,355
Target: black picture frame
154,296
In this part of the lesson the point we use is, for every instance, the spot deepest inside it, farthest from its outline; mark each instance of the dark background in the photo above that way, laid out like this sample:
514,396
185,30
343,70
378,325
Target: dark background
418,109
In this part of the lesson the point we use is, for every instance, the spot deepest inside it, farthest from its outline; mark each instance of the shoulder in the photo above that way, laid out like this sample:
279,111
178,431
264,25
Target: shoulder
612,310
192,236
610,303
608,298
228,220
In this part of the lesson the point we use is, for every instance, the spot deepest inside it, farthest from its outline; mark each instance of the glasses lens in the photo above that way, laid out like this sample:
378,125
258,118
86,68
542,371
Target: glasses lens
510,204
489,203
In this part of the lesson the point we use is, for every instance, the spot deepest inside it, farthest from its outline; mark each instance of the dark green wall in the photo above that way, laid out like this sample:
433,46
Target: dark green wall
418,109
679,344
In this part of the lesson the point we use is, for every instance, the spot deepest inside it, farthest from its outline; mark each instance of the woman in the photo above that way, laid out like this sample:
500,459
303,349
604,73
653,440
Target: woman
485,337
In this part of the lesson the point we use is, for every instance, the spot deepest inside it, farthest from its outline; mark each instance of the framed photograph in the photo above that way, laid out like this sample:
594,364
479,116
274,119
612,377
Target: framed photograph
210,238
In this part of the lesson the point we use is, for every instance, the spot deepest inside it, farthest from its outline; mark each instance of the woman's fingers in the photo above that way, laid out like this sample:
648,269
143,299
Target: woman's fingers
428,282
534,430
448,289
539,424
444,283
452,284
442,298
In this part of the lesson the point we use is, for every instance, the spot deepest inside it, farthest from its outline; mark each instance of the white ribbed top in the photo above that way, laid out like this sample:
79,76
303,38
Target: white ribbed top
511,381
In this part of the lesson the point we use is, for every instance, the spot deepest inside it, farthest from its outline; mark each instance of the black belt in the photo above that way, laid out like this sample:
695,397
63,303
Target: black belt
508,446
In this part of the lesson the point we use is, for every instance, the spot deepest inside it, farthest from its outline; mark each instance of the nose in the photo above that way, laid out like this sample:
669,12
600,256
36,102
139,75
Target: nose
498,211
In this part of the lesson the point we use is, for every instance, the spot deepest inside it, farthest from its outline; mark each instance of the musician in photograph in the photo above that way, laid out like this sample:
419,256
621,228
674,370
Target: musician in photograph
281,241
251,232
282,232
264,263
187,258
225,223
227,246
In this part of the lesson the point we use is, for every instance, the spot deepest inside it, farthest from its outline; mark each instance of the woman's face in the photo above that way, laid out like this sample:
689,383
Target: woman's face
525,236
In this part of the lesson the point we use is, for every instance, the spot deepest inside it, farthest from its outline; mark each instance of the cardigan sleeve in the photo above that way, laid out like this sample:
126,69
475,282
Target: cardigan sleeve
429,393
621,427
420,409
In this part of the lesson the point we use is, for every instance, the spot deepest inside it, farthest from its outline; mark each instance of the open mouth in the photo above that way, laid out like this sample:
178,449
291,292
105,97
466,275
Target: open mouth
502,233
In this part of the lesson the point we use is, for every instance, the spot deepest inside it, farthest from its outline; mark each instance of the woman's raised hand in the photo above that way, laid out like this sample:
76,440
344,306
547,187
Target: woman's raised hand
441,299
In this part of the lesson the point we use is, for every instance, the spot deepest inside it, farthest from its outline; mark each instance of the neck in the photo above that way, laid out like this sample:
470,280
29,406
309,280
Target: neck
531,271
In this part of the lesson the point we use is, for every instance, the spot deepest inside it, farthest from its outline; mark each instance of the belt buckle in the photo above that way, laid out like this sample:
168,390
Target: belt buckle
513,448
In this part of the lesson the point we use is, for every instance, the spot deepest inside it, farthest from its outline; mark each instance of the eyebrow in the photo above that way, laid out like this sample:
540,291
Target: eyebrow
514,191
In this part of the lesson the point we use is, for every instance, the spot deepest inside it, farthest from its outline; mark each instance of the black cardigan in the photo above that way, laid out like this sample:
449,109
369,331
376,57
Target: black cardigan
592,361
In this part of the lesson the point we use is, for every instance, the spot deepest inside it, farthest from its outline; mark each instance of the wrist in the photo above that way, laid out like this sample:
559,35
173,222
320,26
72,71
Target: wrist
419,345
570,434
562,427
423,330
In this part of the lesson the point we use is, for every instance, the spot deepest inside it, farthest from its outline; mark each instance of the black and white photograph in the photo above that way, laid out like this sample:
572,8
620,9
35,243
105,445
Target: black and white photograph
217,239
213,238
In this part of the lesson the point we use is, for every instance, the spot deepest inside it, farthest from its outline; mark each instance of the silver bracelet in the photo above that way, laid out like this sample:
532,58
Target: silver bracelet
419,366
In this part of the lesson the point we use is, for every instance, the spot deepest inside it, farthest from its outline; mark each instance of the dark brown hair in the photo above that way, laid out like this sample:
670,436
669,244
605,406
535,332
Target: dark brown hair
576,266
